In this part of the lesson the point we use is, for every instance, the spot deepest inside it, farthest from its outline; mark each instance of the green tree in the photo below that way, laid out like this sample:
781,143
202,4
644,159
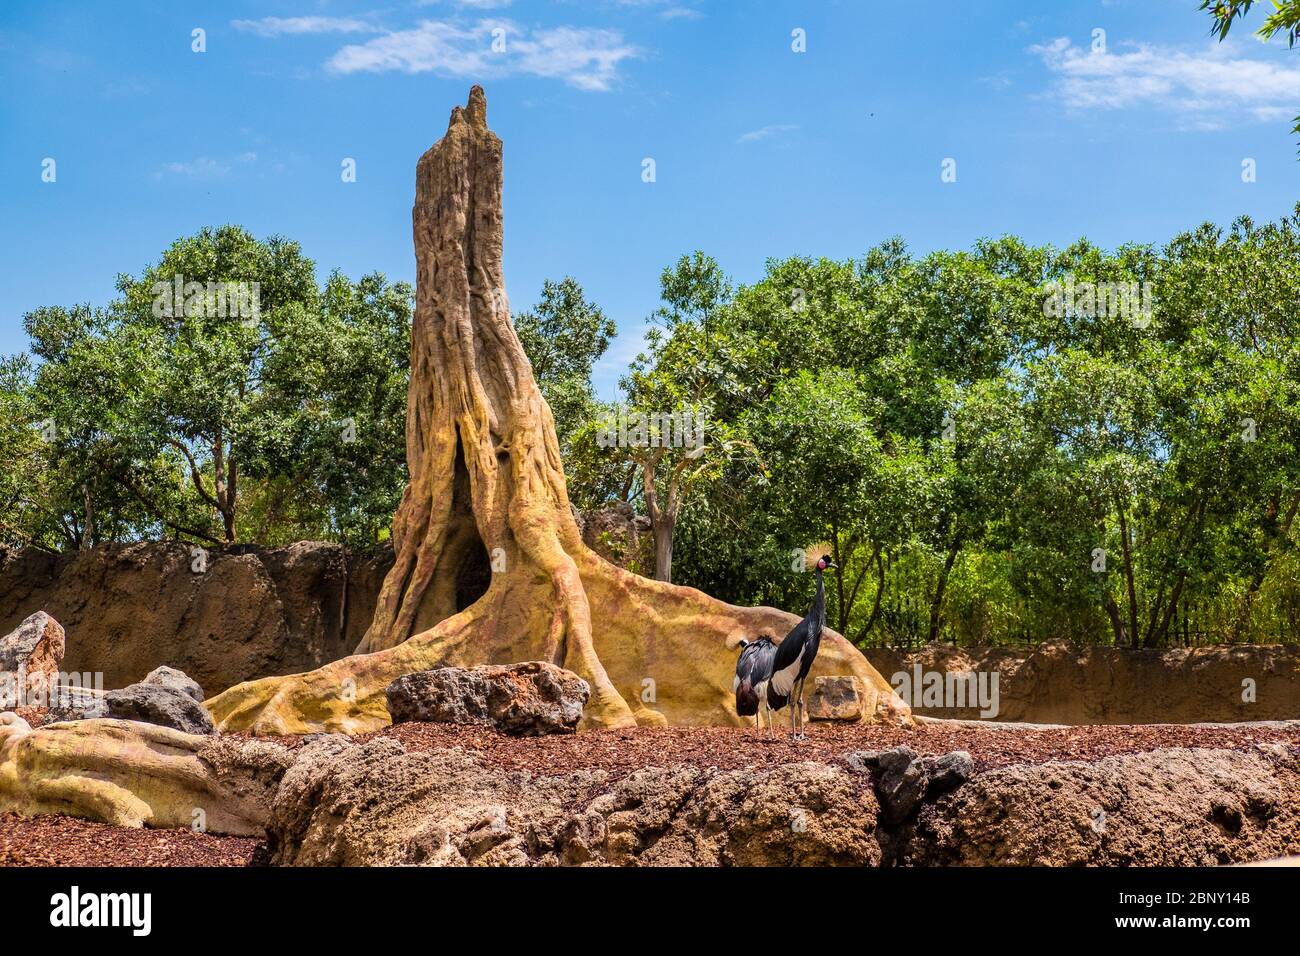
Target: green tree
564,335
672,389
1284,19
221,377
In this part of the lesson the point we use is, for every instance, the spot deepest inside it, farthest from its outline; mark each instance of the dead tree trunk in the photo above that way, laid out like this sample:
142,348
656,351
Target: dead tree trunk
490,564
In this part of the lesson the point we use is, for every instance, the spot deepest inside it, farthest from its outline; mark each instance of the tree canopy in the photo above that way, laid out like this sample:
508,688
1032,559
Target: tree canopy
1000,444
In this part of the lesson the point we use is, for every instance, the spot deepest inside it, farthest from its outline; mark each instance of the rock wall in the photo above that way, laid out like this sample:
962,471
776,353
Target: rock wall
1058,683
249,612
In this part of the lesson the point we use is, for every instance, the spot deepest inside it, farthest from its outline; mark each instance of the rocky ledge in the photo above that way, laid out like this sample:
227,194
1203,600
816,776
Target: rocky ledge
401,799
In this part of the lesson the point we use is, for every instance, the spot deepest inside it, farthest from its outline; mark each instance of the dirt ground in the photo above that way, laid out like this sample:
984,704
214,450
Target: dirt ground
62,841
619,752
67,841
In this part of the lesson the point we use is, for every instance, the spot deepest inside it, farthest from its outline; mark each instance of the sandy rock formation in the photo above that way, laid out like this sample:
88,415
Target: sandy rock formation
134,774
521,700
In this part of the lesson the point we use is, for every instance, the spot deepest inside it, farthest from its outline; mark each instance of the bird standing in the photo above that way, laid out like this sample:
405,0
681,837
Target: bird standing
753,671
794,657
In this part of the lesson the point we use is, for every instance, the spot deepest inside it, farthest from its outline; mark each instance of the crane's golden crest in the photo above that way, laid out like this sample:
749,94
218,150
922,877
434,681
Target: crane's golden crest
814,551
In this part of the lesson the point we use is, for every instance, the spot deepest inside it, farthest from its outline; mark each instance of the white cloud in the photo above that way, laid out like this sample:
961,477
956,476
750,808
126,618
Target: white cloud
285,26
203,168
755,135
671,11
584,58
1206,87
474,4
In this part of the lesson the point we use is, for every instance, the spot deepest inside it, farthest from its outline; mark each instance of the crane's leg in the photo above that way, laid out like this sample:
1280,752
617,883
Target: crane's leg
794,729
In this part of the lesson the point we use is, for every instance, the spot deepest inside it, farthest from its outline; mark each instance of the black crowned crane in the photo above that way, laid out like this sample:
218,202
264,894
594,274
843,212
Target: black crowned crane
795,656
753,671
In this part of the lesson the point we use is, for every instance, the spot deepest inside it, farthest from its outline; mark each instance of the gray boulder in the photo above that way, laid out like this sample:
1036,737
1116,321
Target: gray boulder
75,703
947,772
154,704
177,680
902,780
147,703
523,700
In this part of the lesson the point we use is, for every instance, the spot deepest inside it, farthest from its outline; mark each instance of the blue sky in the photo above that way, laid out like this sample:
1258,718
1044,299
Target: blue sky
759,151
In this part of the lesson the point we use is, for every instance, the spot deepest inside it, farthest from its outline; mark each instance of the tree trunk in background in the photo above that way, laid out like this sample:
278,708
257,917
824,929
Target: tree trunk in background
936,605
664,530
490,565
663,518
1135,635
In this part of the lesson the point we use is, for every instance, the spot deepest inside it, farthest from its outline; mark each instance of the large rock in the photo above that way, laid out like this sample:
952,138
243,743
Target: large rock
133,774
166,697
75,703
902,780
348,803
172,679
35,649
524,700
154,704
899,780
837,697
1170,807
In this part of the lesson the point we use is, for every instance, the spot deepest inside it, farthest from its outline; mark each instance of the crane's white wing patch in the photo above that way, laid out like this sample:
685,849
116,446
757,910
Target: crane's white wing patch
783,680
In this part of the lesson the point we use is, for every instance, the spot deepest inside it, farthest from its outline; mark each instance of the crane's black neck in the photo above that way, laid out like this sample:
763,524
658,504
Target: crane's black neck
818,612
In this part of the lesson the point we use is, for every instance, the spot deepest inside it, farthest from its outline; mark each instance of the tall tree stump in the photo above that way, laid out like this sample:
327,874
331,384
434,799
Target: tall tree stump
490,565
